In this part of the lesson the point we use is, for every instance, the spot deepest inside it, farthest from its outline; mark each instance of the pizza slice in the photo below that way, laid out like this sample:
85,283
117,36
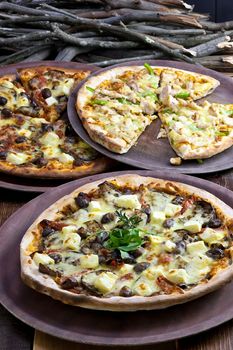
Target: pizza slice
117,105
177,84
199,131
15,99
50,87
34,147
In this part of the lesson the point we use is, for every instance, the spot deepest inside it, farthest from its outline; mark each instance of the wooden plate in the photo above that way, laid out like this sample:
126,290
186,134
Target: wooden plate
99,327
152,153
30,184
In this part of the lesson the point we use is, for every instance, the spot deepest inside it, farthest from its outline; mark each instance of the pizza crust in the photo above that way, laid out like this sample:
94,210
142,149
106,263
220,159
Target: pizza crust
96,166
118,145
45,284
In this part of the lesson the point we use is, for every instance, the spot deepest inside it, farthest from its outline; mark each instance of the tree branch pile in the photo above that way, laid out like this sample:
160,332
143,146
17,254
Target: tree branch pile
106,32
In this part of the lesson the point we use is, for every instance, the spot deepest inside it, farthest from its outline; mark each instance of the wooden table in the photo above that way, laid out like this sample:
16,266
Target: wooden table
15,335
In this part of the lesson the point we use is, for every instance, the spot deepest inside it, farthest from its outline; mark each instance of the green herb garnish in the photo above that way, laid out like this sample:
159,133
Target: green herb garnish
222,133
200,161
90,89
168,110
150,94
183,94
99,102
126,221
126,237
149,68
124,101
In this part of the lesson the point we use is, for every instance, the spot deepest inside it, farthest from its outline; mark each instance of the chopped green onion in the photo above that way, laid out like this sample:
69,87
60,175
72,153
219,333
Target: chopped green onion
124,101
222,133
99,102
200,161
183,94
151,94
149,68
90,89
168,110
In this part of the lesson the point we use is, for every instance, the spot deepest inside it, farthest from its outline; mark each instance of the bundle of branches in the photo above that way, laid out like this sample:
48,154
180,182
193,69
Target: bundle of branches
106,32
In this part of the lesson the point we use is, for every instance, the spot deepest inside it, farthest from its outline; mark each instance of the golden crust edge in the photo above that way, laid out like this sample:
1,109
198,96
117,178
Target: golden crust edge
46,285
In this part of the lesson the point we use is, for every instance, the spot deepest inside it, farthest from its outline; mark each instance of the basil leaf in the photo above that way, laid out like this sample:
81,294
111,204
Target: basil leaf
149,68
124,239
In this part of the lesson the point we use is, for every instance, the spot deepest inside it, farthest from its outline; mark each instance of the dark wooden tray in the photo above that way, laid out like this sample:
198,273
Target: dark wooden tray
31,184
152,153
98,327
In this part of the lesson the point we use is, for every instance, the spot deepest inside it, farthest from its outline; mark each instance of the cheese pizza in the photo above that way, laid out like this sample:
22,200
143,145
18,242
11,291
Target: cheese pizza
130,243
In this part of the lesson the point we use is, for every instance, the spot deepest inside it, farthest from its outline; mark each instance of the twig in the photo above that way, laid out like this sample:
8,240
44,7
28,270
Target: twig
26,37
69,52
209,47
160,31
39,56
128,59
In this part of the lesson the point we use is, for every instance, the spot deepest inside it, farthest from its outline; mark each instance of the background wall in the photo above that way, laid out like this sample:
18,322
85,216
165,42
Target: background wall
220,10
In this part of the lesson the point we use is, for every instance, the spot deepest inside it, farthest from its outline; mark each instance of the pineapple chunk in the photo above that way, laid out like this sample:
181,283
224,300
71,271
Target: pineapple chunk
193,226
72,241
211,236
157,217
156,244
196,248
143,288
50,139
169,245
65,158
126,268
44,259
51,152
89,261
177,276
94,206
172,209
17,158
128,201
105,282
69,229
153,272
25,132
51,101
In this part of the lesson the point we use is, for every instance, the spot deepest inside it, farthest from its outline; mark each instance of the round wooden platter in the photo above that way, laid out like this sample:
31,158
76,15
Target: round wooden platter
30,184
150,152
98,327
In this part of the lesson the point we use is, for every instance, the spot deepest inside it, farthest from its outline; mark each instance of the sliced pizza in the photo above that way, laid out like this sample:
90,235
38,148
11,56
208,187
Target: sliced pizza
130,243
15,99
50,87
199,131
177,84
115,106
34,147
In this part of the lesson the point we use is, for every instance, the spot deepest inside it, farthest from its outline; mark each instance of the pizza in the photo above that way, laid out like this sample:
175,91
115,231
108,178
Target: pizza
14,98
129,243
198,131
116,105
36,138
35,147
50,87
